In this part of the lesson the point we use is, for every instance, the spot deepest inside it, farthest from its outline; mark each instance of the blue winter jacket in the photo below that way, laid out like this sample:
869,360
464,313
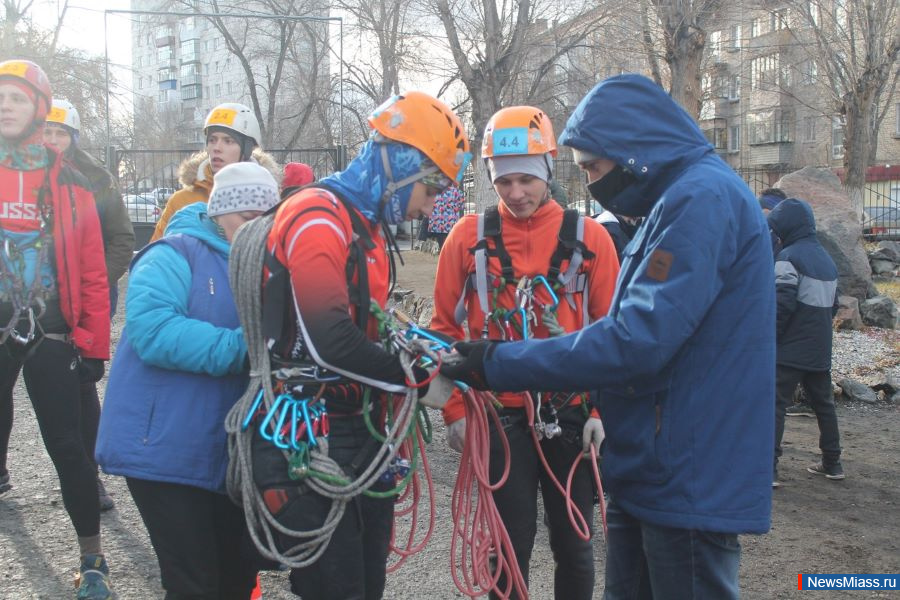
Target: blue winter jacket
684,363
179,365
805,288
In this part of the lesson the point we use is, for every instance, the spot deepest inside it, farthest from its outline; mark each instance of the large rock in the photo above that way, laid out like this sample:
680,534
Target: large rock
858,392
884,268
848,316
886,250
879,311
838,226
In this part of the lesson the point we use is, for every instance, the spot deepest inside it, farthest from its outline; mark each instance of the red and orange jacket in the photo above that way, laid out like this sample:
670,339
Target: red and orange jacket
530,243
78,249
312,236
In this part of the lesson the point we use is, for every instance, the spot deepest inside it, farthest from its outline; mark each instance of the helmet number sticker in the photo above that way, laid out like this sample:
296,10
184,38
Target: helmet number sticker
222,116
512,140
17,69
57,115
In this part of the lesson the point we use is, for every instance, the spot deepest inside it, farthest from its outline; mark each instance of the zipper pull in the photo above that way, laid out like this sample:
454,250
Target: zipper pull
212,287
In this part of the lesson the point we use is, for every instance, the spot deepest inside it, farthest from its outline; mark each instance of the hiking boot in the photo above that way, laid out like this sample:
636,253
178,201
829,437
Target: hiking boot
5,485
106,501
93,578
834,472
800,410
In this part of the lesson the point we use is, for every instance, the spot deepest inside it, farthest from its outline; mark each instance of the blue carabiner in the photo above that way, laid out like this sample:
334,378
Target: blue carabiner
271,415
521,312
290,406
252,412
310,432
419,332
540,279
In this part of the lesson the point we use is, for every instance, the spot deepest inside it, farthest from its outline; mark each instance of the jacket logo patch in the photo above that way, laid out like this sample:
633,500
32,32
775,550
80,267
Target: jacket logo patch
660,263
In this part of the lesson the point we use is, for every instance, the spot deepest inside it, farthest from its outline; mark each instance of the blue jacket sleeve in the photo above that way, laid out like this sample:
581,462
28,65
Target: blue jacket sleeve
668,295
159,329
786,285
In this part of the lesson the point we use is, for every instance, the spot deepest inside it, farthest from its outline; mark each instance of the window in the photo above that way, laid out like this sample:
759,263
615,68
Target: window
216,67
809,129
784,78
218,90
715,45
778,19
736,37
770,126
165,74
734,138
206,92
206,69
734,87
230,87
837,138
813,12
763,72
141,83
190,74
809,72
190,50
163,96
190,92
757,27
164,54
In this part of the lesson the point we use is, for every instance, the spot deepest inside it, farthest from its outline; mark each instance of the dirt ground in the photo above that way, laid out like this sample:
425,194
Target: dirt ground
818,526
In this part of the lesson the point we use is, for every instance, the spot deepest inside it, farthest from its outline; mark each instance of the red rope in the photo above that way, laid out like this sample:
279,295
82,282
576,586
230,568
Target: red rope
480,549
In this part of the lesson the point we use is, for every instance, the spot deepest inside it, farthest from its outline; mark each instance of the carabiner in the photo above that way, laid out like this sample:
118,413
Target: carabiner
252,412
542,281
524,315
280,428
271,415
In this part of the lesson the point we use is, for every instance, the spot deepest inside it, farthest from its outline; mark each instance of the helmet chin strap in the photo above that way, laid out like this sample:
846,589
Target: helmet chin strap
392,185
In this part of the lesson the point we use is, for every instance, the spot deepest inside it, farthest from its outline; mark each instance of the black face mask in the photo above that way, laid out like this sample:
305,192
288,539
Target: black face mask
605,189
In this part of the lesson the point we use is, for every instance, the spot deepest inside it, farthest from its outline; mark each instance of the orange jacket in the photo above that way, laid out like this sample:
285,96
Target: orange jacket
531,243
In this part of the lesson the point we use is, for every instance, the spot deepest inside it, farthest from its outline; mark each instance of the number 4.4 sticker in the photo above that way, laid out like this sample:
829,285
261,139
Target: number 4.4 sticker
513,140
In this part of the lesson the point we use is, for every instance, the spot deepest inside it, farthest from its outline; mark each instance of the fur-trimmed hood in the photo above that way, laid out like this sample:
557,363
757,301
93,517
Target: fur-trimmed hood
194,168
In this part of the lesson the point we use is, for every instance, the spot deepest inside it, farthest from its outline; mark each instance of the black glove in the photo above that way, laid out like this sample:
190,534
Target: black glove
90,370
468,367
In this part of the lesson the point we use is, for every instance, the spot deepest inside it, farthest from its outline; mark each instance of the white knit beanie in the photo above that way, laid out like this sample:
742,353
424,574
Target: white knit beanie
242,186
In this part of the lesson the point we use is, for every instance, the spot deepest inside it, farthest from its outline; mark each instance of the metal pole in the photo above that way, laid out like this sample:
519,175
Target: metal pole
341,58
106,55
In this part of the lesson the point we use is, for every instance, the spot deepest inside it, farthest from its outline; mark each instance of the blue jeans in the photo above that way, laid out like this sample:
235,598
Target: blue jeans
646,561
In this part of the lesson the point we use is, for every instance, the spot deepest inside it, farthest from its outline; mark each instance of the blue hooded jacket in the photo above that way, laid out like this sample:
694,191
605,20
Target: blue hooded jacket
684,363
805,288
179,365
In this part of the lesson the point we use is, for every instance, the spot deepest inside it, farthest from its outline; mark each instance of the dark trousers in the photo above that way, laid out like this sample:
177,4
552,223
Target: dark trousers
821,399
200,538
353,566
652,562
51,378
517,500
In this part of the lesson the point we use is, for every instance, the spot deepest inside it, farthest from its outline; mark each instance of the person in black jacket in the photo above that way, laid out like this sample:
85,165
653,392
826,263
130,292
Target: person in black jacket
805,288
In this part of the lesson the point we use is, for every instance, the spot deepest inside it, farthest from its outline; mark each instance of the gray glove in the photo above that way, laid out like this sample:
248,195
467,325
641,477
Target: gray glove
592,434
456,434
439,391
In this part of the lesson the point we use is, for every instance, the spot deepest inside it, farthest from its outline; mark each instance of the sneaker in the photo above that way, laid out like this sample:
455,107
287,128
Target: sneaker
800,410
835,472
5,485
106,501
93,578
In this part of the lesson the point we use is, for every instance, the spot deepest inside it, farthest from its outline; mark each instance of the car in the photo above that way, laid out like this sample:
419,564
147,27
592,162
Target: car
142,208
162,195
881,223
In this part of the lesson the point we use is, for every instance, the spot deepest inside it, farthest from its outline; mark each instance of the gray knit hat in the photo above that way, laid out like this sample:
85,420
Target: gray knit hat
242,186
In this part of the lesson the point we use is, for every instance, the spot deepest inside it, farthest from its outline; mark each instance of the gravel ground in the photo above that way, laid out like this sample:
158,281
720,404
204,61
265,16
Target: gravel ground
818,526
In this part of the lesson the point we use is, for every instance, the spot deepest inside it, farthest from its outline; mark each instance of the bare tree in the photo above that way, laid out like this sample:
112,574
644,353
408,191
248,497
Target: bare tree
681,26
856,45
491,43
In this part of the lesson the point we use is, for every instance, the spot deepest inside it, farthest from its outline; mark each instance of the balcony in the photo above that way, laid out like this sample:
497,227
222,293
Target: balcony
771,154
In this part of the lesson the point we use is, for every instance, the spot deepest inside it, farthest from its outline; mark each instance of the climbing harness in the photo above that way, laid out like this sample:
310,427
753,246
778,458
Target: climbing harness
283,409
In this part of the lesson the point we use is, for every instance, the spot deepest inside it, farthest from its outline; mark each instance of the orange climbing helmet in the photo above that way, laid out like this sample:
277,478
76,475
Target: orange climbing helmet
427,124
518,130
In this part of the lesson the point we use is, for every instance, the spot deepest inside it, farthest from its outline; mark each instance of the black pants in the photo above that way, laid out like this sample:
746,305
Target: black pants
821,398
51,378
200,538
353,566
517,500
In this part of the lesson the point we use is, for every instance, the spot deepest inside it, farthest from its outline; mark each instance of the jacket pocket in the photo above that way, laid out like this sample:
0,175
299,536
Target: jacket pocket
638,437
148,425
